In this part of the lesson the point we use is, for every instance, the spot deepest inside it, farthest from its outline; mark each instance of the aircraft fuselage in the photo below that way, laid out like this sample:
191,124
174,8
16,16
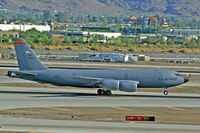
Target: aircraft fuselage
147,78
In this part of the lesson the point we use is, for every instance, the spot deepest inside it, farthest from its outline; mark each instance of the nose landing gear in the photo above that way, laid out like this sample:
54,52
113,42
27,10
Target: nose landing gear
104,92
165,91
9,73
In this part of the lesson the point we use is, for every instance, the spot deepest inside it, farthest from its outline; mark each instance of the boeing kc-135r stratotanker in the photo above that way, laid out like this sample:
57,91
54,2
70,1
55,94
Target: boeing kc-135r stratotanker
127,80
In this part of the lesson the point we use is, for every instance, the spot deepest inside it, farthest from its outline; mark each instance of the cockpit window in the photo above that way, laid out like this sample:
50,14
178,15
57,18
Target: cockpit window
179,74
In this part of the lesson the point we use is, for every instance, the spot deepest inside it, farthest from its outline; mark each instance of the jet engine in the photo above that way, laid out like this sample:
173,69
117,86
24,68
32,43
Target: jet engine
128,86
123,85
110,84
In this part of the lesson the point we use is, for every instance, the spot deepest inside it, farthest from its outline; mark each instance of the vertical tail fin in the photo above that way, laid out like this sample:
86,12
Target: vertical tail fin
27,60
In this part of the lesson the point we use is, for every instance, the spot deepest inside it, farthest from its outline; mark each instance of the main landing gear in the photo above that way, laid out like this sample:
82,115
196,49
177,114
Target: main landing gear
104,92
165,91
9,74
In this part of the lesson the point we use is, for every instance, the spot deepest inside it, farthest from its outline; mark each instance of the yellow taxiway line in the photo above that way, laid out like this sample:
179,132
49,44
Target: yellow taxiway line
120,108
175,108
179,87
55,108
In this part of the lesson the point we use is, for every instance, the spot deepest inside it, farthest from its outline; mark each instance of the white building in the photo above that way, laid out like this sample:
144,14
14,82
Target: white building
7,27
105,34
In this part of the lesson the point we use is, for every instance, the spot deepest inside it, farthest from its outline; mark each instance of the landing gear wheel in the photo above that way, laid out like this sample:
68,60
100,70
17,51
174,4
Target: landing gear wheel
101,92
9,73
165,92
108,92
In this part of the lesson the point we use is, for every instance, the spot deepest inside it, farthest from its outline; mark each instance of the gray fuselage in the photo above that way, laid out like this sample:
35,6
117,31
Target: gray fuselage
147,78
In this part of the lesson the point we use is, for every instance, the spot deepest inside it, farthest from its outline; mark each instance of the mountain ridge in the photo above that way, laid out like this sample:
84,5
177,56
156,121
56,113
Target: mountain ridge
108,7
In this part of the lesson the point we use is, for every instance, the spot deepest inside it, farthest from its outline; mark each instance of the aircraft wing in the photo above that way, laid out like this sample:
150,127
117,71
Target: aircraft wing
88,79
22,73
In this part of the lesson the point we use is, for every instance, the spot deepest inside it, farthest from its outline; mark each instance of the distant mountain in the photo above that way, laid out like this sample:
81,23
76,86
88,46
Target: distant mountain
108,7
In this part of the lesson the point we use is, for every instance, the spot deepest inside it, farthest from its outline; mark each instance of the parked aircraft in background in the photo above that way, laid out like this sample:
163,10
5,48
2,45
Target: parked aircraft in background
127,80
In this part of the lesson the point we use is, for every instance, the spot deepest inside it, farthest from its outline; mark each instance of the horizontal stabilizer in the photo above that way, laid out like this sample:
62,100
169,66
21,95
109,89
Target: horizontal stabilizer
22,73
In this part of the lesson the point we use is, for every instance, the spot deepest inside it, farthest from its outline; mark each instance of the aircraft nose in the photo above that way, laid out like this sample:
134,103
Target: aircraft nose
186,79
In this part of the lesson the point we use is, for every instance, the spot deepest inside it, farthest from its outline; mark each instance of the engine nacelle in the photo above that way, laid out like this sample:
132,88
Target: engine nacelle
110,84
128,86
122,85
